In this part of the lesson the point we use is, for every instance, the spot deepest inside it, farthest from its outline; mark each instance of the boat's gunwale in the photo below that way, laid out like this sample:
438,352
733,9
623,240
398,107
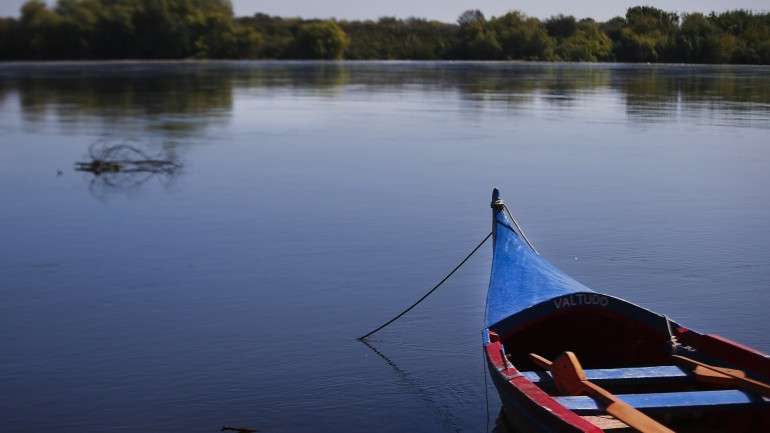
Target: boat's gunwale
552,412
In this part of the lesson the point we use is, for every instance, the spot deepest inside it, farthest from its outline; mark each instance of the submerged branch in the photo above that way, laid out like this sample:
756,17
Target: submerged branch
124,166
122,158
239,429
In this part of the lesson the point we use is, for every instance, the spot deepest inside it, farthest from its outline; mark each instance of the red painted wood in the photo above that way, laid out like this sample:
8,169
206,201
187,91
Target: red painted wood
528,389
739,355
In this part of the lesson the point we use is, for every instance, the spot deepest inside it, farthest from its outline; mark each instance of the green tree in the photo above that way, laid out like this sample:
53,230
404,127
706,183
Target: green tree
699,41
522,37
321,40
648,35
393,38
647,19
561,26
476,38
731,49
587,44
752,33
278,34
41,28
112,29
9,42
216,35
734,22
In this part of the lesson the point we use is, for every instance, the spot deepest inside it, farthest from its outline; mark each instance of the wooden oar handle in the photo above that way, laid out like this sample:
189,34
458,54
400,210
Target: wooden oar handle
737,377
569,377
540,361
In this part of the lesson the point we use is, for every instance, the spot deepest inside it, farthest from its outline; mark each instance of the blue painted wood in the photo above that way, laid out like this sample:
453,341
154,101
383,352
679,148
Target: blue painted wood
520,277
669,400
663,372
524,286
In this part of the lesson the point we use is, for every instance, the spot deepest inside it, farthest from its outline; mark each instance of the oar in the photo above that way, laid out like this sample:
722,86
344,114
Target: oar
571,380
738,377
717,377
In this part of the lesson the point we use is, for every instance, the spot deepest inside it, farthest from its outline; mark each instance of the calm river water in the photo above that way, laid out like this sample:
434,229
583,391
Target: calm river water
315,200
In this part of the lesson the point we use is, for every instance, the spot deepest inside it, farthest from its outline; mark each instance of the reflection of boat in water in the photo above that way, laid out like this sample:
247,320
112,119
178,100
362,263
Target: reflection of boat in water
567,359
502,425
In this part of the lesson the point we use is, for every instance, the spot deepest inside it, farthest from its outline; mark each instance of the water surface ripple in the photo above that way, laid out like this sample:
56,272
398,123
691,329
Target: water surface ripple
315,200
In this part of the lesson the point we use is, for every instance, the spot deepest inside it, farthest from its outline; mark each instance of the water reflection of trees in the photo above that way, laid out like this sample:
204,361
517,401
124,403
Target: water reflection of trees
179,99
653,93
156,96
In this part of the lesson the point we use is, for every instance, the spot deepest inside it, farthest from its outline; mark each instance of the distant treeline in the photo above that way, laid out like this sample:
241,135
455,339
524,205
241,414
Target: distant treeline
175,29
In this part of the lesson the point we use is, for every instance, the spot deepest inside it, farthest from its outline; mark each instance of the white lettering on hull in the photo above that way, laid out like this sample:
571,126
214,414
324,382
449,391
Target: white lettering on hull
579,299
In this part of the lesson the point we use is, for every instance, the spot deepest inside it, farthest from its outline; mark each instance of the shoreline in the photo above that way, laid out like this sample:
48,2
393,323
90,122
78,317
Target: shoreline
358,61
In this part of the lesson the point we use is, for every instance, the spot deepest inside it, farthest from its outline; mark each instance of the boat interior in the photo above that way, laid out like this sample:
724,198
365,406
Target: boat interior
596,362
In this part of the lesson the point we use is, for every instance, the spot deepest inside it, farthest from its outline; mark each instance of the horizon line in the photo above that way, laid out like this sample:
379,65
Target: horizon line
622,14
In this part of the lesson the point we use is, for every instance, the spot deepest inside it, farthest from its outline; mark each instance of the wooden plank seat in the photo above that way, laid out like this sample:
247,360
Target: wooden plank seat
585,405
570,379
609,376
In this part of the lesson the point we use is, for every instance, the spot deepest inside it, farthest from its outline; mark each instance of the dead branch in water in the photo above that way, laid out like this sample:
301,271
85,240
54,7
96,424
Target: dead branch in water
124,166
122,157
239,429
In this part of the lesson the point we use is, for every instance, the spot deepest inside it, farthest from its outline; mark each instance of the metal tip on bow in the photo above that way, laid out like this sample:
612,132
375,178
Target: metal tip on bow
497,203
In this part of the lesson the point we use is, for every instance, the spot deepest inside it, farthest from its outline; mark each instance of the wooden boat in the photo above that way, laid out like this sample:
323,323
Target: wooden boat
565,358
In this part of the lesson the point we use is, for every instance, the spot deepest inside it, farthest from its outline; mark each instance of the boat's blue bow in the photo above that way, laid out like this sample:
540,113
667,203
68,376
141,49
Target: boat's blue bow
520,278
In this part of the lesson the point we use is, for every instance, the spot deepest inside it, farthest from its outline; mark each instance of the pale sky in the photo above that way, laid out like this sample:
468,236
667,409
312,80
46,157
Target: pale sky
448,10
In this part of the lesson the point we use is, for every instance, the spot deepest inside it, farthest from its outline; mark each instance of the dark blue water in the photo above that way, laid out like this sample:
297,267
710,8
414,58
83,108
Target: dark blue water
316,200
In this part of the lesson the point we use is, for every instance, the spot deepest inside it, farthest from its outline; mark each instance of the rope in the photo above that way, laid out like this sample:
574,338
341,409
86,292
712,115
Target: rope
430,291
486,390
518,227
484,365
